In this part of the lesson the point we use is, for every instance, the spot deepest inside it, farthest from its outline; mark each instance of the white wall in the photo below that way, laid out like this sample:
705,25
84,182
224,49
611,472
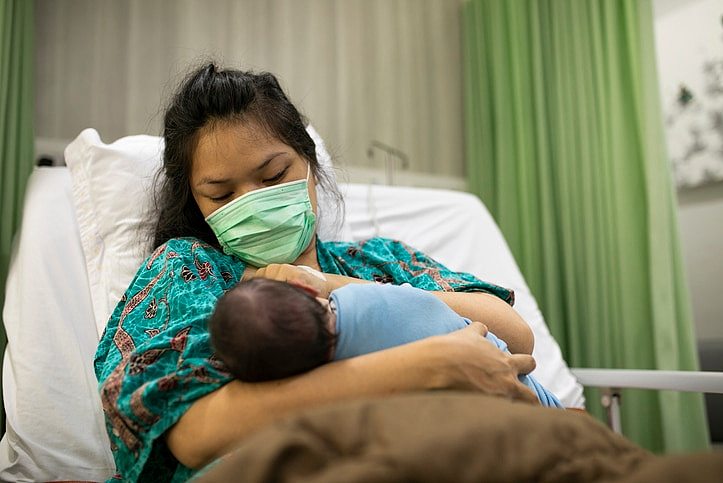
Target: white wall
362,70
701,224
679,25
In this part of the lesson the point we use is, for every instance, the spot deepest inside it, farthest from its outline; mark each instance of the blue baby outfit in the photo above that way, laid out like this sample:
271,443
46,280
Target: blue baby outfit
373,317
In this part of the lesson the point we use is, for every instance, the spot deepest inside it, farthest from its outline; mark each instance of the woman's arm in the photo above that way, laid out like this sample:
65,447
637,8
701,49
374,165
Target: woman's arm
495,313
461,360
500,317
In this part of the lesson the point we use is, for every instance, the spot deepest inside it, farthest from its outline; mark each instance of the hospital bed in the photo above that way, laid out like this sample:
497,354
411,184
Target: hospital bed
79,245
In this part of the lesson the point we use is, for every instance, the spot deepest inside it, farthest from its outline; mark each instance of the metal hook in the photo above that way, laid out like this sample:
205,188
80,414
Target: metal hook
391,153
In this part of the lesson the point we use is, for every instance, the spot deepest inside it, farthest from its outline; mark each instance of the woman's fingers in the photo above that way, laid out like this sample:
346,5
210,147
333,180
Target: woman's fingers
306,287
294,275
259,273
249,272
274,271
523,363
524,393
473,364
479,327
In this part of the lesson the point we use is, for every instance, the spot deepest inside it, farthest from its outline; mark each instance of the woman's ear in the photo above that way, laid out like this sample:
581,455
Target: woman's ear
305,287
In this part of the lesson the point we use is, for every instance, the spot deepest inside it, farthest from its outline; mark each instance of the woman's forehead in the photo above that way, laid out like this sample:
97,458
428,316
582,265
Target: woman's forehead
237,146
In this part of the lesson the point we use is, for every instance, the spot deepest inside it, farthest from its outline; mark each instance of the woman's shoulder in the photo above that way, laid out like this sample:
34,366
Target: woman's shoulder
392,261
376,251
184,274
187,247
180,268
377,244
193,252
380,259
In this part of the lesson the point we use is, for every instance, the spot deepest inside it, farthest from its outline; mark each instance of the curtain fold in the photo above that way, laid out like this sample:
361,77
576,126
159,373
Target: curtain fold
16,128
564,143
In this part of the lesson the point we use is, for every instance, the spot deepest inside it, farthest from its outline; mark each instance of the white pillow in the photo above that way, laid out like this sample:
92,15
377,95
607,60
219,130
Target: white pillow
112,188
111,191
54,429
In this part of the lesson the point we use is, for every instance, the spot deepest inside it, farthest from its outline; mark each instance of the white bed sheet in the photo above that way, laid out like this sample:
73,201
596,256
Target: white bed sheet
55,427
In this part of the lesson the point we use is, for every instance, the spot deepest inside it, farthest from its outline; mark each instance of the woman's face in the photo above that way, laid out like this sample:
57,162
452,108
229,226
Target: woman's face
232,159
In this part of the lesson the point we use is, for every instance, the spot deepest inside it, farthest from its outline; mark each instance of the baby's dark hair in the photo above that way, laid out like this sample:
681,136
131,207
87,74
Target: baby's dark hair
264,329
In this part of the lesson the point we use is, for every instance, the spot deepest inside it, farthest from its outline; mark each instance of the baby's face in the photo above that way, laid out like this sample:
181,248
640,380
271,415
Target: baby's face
330,314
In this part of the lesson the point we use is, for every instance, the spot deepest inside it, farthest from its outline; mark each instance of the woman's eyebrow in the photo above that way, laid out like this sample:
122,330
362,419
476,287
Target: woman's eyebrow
268,160
210,180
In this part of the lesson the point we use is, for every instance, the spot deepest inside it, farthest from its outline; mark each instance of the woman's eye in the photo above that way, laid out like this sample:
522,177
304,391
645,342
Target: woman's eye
221,198
278,176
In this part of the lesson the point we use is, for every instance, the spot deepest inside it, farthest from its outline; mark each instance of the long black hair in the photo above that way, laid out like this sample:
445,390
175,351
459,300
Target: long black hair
209,95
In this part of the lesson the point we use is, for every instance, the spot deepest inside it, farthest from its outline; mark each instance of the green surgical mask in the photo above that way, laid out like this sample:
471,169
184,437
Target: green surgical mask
268,225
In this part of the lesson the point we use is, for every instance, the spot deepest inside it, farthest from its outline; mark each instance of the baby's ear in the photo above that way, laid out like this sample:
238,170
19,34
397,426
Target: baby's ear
306,288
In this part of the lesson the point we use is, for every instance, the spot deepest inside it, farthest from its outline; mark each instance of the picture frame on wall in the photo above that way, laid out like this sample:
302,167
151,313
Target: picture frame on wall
690,68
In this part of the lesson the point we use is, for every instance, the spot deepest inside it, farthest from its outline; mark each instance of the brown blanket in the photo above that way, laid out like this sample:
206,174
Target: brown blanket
447,436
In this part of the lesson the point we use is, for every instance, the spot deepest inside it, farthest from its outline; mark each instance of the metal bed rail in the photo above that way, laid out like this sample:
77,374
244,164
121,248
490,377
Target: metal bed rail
612,381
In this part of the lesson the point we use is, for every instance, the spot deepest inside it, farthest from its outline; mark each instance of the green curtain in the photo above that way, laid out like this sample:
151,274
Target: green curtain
16,127
565,144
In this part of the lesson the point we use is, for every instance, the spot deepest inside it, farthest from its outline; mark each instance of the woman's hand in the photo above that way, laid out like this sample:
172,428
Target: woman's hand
313,284
468,361
294,275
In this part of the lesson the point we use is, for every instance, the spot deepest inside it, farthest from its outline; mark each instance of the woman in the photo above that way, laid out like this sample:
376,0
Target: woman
239,193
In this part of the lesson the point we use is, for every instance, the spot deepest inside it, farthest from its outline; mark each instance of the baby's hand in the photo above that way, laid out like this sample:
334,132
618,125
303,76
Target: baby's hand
249,273
315,285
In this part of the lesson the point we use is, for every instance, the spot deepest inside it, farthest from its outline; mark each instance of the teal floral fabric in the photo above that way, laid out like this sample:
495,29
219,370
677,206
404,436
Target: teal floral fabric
154,358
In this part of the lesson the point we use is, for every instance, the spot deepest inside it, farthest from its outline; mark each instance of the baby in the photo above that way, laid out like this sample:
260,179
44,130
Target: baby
264,329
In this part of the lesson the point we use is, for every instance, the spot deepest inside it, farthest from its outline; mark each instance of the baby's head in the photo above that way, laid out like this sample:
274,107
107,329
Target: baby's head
264,330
